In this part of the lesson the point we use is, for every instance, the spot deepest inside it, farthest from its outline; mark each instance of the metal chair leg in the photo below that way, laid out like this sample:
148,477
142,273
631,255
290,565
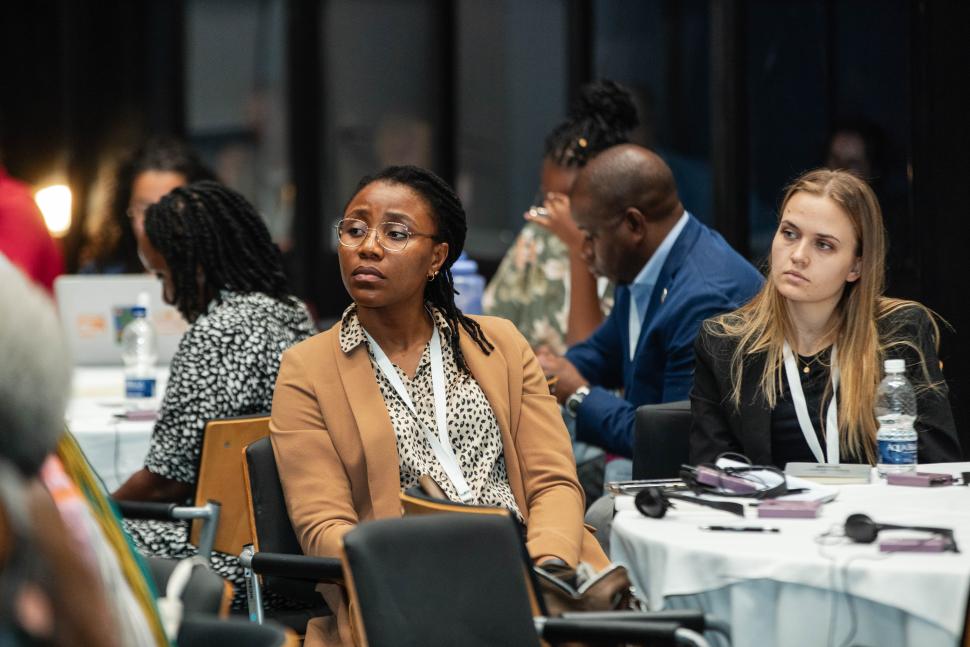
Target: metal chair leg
254,595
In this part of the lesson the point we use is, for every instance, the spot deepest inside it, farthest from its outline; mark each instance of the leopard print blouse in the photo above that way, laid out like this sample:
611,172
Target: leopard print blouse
472,427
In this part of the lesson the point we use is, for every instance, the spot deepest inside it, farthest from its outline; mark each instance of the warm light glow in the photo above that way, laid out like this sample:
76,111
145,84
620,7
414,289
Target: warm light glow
55,203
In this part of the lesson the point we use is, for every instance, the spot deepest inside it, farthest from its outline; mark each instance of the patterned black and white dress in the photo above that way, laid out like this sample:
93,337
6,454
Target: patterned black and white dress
225,365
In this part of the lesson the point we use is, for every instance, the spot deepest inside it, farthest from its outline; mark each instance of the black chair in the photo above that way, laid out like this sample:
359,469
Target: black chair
205,632
276,555
206,593
661,441
209,515
460,579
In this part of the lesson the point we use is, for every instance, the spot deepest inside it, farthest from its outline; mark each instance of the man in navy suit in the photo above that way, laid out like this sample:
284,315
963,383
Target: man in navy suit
671,272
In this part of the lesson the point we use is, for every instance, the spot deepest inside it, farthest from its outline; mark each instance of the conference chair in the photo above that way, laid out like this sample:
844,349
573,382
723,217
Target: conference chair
434,580
205,594
205,632
221,478
218,516
661,441
275,562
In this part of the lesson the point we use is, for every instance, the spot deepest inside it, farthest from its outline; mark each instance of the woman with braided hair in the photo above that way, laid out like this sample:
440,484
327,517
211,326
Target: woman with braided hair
542,284
405,385
220,268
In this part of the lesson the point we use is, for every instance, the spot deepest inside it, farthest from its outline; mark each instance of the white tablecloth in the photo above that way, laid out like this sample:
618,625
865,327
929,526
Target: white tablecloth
116,447
789,588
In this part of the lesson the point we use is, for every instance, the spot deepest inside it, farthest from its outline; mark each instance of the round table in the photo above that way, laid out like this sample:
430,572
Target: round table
805,585
115,446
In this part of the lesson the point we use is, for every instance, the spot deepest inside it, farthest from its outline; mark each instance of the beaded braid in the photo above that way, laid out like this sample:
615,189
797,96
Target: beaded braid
602,116
452,225
209,227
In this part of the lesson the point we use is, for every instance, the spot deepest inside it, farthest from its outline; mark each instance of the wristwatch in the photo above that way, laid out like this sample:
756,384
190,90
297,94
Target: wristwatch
576,399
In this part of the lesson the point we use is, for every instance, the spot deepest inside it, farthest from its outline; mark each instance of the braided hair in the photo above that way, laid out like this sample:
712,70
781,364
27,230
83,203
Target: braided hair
452,225
209,227
602,116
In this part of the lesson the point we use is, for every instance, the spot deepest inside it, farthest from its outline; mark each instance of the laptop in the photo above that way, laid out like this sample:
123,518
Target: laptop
95,308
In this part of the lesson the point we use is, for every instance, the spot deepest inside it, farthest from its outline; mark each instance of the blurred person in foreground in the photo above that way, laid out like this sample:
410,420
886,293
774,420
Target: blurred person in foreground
817,333
542,284
67,574
142,178
220,268
356,407
672,272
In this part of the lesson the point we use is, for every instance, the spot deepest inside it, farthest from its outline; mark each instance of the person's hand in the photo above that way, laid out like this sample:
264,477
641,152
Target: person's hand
567,377
555,217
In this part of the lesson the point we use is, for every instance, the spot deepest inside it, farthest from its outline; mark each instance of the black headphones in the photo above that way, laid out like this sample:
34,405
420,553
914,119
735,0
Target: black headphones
861,529
653,502
711,479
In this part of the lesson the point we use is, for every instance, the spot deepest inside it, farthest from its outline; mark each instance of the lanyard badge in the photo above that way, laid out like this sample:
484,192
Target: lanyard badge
440,443
831,455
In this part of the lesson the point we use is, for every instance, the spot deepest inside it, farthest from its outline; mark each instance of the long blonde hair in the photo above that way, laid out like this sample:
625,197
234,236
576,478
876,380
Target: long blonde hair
763,324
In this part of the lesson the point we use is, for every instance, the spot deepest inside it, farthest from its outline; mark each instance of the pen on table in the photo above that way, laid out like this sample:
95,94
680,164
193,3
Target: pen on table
741,528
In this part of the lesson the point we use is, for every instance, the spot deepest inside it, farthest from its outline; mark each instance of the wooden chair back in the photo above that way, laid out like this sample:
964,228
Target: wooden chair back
221,478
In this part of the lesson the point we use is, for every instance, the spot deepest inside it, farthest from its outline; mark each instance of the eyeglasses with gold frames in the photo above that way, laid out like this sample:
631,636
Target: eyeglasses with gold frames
392,236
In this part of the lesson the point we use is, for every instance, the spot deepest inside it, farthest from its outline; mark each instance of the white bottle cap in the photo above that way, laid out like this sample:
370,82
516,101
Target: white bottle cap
895,366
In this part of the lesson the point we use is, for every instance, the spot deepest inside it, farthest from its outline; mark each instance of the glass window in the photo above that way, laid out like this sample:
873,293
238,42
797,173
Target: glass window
512,90
381,95
659,49
235,101
826,86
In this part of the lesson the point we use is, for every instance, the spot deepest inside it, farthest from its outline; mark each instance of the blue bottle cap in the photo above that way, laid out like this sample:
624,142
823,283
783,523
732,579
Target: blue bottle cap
464,265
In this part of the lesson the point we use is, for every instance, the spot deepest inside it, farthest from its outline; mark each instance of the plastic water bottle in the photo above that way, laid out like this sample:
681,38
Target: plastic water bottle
139,352
469,284
896,411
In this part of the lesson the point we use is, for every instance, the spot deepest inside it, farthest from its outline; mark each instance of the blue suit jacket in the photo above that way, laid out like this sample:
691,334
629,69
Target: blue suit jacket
703,277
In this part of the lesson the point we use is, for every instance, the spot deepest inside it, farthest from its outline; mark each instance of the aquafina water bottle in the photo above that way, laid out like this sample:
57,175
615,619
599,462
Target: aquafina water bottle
139,352
469,285
896,412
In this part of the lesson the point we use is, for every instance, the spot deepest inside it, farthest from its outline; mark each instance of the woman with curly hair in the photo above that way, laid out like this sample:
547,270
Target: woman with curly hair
155,168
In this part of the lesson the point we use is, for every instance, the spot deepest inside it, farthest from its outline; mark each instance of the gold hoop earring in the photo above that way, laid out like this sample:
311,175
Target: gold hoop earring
432,276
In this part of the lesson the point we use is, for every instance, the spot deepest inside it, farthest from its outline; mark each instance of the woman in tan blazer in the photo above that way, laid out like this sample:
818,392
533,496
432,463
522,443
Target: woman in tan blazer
355,413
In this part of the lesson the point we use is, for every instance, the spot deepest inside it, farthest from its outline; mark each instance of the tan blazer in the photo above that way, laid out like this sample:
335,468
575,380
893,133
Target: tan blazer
338,461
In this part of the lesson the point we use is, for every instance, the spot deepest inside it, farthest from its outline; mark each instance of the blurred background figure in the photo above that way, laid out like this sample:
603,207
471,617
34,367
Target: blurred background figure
857,145
542,285
24,238
142,178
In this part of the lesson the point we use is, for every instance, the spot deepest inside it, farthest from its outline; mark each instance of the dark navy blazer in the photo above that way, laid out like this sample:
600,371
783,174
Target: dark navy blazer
702,277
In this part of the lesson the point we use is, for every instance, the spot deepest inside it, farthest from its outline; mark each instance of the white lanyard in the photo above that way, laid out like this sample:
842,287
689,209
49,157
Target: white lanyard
801,409
441,444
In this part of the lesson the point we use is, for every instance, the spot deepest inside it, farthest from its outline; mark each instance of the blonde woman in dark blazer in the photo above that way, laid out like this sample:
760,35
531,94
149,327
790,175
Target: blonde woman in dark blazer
814,339
355,414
